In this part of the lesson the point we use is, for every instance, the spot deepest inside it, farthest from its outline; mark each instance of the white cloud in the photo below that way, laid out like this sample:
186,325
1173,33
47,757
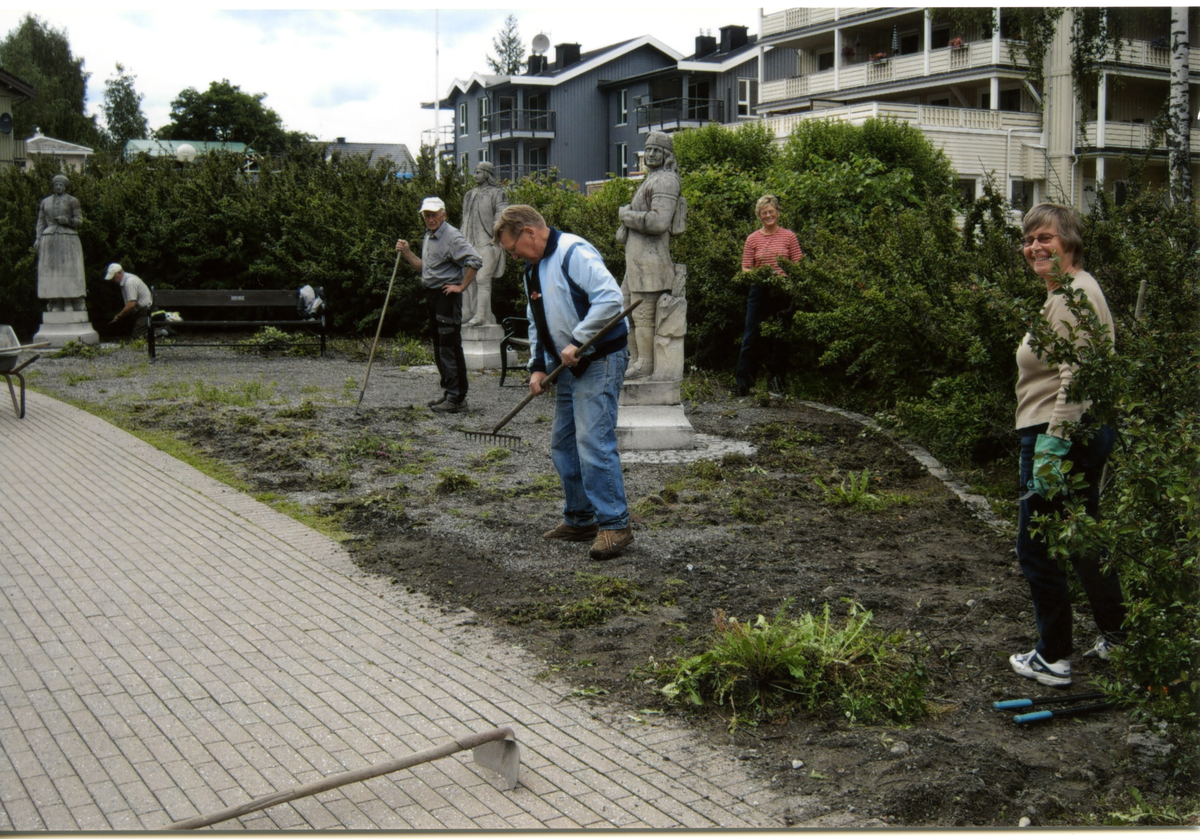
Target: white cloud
355,74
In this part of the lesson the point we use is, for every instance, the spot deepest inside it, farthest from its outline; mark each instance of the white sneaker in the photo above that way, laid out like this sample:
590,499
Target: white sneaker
1032,666
1102,649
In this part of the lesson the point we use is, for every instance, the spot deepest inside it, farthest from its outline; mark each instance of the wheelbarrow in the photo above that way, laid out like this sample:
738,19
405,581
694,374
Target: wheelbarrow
10,352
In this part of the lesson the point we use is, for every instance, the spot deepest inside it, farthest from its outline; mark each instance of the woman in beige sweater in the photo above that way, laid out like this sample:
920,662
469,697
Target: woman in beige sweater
1053,247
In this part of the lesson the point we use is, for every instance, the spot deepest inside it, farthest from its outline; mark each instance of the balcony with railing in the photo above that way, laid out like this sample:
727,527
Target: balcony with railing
441,138
1148,54
515,171
669,114
851,75
925,117
1131,136
518,123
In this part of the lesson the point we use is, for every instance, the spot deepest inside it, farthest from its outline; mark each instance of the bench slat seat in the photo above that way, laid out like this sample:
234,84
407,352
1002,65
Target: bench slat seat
195,302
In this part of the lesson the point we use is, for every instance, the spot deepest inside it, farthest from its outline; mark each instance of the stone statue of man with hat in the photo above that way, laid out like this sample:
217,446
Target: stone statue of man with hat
480,209
648,222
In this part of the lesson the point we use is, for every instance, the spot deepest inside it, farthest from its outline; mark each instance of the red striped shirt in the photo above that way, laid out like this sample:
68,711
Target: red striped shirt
762,249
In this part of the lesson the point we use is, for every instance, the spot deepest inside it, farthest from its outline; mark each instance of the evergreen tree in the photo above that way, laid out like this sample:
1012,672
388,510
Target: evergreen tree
123,117
40,55
509,49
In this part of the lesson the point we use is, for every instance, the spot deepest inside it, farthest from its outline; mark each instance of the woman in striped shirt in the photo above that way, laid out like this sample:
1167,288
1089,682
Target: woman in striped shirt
765,246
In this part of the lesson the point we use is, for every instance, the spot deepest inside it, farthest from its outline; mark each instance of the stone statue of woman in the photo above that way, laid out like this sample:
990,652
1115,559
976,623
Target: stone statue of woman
60,256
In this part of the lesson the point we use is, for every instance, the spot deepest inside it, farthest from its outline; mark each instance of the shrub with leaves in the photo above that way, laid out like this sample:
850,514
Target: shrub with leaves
808,663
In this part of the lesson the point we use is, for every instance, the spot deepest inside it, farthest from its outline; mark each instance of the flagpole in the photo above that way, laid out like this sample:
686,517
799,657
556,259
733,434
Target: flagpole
437,106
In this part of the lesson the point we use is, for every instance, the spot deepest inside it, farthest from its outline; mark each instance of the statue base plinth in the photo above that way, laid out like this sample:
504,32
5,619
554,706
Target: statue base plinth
60,327
653,428
481,347
650,392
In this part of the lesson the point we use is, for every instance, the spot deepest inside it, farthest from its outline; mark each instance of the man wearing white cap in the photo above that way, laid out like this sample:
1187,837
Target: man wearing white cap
448,265
136,296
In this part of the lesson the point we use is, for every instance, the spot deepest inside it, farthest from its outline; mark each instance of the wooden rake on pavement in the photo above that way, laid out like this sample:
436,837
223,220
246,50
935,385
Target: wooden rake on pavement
496,750
511,440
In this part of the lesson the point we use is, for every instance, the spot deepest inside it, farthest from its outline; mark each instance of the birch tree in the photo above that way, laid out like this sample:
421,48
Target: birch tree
1179,118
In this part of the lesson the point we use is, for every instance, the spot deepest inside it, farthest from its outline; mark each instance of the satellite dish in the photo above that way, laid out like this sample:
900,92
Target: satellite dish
5,123
540,44
185,153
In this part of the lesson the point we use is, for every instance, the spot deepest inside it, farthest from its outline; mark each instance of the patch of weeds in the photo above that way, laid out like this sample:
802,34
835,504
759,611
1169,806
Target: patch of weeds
350,389
452,482
270,339
373,447
311,389
1164,812
785,436
667,597
245,421
734,460
323,524
128,371
541,418
306,410
411,352
698,386
706,473
587,692
338,481
808,663
242,394
75,349
544,487
855,491
491,458
73,379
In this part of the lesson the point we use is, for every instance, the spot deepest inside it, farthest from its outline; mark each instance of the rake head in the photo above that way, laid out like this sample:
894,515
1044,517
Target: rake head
492,438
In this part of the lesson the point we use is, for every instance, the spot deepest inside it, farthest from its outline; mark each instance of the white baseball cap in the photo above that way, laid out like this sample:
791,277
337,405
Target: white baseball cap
113,270
432,205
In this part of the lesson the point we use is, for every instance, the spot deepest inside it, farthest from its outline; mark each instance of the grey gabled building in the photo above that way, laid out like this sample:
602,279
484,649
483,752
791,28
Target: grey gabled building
586,113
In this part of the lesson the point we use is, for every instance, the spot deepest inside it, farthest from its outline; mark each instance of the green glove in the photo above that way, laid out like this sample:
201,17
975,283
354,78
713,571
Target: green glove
1048,477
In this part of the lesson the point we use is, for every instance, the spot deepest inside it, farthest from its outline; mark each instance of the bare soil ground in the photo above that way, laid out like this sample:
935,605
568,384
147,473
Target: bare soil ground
462,522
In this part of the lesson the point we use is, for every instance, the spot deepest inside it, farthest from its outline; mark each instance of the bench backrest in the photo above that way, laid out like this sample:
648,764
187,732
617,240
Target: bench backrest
166,297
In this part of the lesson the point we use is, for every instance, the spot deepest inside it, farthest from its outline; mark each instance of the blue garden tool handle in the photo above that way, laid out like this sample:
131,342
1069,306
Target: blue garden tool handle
1010,704
1045,715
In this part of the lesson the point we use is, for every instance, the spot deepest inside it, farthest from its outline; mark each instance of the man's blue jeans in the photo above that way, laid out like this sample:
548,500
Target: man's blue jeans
584,444
1048,582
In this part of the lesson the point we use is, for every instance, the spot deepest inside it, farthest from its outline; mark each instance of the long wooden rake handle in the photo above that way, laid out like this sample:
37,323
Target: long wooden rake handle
378,330
470,741
554,374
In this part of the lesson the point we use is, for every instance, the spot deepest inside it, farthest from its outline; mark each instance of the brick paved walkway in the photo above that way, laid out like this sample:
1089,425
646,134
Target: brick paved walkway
171,647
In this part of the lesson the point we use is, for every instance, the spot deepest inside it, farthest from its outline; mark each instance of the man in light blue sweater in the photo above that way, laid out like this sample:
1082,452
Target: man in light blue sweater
571,296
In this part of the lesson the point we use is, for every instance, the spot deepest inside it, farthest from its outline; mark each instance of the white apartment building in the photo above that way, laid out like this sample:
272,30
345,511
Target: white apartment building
968,93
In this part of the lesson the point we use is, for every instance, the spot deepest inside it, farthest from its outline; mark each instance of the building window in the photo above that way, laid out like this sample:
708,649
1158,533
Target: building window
622,106
939,38
622,159
1021,195
483,114
966,190
462,119
485,154
747,96
940,103
824,61
464,162
910,42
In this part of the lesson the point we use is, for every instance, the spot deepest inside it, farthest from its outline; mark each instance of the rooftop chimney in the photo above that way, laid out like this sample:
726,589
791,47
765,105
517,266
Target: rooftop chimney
733,37
341,141
537,64
565,55
705,45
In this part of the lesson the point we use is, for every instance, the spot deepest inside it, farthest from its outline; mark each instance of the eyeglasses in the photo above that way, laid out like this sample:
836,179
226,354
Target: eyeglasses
1043,239
510,248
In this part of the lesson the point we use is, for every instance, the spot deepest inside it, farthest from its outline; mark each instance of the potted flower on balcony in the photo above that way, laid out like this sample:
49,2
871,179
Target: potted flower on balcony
847,52
1159,42
879,56
956,43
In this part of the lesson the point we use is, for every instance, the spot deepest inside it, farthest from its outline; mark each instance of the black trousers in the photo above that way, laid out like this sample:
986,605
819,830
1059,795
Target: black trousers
445,322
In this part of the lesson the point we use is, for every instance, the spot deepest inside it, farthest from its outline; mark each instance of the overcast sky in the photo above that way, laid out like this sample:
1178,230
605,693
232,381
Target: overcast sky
355,74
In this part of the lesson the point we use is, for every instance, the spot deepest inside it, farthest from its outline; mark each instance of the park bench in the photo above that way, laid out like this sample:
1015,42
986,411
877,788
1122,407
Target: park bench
516,334
198,304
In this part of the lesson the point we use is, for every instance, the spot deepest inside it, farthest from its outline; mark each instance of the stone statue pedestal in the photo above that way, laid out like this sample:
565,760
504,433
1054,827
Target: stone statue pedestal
651,418
60,327
481,347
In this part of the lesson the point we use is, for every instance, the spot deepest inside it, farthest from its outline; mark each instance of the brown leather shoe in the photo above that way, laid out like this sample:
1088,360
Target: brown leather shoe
449,406
610,543
571,534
